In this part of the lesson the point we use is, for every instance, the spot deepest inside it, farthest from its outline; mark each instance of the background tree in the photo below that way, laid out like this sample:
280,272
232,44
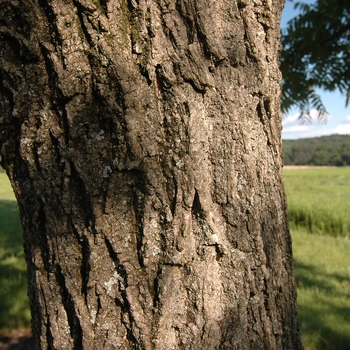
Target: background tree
143,142
324,150
316,54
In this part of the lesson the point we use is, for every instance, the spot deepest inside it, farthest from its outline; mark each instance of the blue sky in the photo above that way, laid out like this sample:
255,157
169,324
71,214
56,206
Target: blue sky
339,116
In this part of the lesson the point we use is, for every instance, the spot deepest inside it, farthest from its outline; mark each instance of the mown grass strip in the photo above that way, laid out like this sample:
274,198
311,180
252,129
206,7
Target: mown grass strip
319,199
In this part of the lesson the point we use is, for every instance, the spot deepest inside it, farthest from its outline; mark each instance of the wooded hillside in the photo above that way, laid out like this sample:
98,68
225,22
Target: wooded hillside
325,150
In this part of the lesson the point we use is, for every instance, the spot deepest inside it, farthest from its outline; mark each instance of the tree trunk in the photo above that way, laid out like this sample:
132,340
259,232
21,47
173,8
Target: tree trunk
143,142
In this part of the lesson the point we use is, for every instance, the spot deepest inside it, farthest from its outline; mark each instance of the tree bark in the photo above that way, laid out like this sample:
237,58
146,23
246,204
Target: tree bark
143,142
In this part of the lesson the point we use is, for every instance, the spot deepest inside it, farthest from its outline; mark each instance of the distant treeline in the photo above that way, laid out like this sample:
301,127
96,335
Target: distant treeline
325,150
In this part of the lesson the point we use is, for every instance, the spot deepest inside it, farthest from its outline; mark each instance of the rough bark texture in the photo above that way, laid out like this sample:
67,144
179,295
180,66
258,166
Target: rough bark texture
142,139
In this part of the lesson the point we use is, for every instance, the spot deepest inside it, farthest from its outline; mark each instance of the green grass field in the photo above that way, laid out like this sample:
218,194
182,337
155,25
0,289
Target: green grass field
318,205
319,199
322,263
14,303
322,268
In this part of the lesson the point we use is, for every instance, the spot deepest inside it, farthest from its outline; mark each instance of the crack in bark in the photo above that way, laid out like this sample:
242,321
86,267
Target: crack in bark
197,209
39,217
104,5
81,9
49,337
175,194
113,255
51,20
36,156
138,204
188,22
262,116
80,194
85,265
199,87
56,93
163,82
156,299
76,331
127,318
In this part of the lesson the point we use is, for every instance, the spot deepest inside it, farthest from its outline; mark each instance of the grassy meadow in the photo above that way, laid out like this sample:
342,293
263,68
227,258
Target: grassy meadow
14,303
319,199
322,268
319,205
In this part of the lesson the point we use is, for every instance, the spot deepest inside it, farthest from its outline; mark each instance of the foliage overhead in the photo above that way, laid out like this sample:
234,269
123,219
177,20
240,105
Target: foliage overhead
316,54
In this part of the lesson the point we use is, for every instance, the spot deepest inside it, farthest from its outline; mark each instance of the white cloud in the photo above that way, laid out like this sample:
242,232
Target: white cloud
341,129
294,119
290,119
297,128
292,127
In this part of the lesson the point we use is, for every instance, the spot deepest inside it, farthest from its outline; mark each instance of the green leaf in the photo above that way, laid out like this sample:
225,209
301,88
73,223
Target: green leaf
316,54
